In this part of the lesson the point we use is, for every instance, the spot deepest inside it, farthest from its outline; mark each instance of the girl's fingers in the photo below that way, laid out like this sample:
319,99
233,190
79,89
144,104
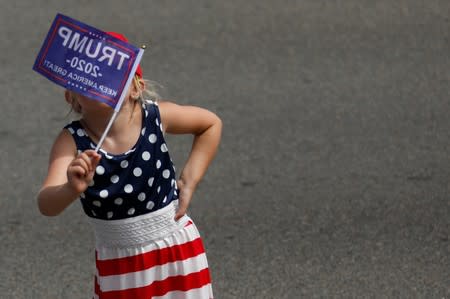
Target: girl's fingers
185,196
181,209
78,170
81,164
88,159
92,154
93,157
82,169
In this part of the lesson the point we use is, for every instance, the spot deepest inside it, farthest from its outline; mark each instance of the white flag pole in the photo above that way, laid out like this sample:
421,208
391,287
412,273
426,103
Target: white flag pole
121,99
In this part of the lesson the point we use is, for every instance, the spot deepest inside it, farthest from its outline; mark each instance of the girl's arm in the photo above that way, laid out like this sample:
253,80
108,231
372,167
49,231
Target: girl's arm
68,175
206,128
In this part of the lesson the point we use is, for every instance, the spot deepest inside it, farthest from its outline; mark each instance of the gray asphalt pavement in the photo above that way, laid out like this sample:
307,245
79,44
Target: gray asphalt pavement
333,176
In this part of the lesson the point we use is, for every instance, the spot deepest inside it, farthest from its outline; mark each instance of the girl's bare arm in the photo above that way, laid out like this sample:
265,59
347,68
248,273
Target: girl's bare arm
206,128
68,175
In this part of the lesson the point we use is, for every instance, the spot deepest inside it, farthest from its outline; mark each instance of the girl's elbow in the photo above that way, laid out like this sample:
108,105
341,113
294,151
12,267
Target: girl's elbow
46,209
48,213
212,126
217,122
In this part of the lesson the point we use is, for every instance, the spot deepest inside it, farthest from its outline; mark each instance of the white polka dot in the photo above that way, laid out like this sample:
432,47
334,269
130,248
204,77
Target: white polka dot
131,211
118,201
137,172
146,112
128,188
159,189
157,122
165,199
100,170
109,215
71,130
150,205
172,183
93,213
163,147
141,196
158,164
92,145
152,138
143,131
124,164
114,179
91,183
146,156
166,173
150,181
104,193
80,132
97,203
82,195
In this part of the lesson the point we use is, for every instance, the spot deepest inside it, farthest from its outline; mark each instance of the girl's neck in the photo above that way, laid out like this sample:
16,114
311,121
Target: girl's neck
124,131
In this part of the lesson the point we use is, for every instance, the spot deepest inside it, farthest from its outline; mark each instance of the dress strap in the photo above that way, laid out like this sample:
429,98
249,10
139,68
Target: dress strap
79,135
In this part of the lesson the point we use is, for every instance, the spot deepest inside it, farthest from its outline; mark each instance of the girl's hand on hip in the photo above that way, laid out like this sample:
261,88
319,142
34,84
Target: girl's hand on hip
82,169
184,198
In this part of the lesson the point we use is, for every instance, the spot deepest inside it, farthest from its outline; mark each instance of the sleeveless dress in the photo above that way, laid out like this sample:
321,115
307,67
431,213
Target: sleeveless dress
141,251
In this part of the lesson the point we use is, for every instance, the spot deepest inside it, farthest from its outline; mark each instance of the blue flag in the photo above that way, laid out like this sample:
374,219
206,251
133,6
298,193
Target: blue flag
88,61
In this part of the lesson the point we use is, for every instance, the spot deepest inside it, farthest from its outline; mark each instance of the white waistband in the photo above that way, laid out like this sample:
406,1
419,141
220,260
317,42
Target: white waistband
137,230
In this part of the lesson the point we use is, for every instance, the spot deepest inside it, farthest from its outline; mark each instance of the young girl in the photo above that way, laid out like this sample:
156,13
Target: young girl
146,245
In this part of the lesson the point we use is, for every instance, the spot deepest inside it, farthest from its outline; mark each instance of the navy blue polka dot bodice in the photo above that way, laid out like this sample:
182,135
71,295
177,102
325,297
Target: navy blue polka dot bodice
134,183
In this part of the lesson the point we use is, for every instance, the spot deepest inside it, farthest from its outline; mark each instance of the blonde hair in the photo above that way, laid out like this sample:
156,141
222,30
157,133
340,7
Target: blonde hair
148,91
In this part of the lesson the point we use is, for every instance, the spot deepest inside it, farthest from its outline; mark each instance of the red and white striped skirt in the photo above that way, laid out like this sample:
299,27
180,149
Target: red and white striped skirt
150,256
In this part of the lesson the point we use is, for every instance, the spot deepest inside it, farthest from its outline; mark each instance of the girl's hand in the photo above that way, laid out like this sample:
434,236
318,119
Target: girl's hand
184,198
82,169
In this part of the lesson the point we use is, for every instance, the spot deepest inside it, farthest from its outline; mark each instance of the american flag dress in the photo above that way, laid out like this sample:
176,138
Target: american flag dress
140,250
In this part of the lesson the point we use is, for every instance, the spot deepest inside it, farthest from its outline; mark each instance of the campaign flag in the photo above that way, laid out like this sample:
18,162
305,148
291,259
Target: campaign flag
88,61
